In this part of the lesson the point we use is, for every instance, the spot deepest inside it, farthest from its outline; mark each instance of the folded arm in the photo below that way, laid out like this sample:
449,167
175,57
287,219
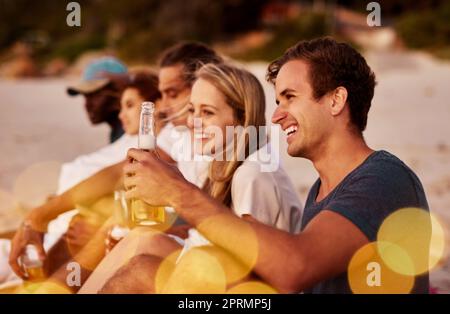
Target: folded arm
100,184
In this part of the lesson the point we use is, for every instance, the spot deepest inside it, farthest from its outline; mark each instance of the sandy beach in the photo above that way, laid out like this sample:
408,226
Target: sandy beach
40,127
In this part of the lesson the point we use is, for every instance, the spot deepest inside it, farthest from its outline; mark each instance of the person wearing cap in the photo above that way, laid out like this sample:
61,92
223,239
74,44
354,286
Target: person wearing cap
101,87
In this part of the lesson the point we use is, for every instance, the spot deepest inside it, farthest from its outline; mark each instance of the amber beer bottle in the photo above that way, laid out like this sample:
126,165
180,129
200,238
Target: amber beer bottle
143,214
121,216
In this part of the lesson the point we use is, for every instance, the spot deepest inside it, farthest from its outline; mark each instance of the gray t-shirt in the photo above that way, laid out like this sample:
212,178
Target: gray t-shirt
366,196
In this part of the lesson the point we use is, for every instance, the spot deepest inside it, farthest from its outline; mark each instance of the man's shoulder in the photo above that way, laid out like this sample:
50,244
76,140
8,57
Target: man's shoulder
382,182
384,168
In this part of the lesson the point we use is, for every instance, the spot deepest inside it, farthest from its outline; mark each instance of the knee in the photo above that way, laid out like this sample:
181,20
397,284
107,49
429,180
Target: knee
155,244
134,277
142,261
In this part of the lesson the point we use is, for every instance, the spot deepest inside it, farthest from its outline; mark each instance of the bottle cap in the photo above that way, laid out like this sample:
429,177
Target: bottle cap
148,105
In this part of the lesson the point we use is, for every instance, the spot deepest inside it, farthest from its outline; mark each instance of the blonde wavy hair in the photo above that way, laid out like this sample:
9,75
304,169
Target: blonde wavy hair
245,95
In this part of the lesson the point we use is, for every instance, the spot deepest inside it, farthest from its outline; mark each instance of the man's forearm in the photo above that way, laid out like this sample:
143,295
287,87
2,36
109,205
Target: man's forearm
266,250
86,260
102,183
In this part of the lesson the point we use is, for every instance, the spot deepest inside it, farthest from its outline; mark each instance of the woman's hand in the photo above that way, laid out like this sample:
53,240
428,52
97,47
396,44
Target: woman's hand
148,178
26,234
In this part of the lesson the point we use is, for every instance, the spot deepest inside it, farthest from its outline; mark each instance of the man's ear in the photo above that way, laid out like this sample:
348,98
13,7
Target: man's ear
338,98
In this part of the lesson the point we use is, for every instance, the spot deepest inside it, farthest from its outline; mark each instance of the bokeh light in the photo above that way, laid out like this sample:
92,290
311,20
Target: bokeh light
6,201
233,268
197,271
165,270
10,218
243,242
419,234
85,228
36,183
368,274
252,287
46,287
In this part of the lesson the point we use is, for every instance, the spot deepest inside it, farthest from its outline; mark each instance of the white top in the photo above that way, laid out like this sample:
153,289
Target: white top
166,139
85,166
269,197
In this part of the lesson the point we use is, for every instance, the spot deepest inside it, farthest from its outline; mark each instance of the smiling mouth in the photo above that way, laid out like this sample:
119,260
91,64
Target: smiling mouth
291,130
202,136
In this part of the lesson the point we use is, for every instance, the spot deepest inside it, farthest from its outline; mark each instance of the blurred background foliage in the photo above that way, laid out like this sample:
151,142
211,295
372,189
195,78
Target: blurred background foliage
137,30
427,29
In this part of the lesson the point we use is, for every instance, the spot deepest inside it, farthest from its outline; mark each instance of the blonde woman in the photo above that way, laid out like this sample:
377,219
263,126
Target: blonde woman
223,96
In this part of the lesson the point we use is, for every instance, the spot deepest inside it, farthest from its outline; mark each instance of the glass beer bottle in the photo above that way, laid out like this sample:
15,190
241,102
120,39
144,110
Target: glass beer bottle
32,265
143,214
120,227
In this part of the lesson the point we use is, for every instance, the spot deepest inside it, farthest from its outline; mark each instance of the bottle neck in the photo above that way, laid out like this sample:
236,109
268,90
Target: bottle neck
147,138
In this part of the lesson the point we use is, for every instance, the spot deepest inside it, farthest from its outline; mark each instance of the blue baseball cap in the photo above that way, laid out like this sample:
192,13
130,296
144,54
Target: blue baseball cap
97,75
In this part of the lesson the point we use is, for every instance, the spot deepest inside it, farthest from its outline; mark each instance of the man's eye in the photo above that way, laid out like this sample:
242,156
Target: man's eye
172,95
288,97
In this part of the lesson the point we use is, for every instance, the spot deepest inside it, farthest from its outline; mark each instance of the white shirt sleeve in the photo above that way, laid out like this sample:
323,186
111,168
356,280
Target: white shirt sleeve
164,139
255,193
84,166
80,169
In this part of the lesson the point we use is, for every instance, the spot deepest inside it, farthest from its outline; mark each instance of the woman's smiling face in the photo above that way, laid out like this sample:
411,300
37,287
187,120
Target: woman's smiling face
208,104
130,109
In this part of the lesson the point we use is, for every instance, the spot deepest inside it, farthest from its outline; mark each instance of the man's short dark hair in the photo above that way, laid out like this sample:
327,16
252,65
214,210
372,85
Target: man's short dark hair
192,55
146,82
332,64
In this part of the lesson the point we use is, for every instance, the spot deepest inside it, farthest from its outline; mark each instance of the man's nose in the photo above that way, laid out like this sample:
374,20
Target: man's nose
190,121
278,115
196,121
164,101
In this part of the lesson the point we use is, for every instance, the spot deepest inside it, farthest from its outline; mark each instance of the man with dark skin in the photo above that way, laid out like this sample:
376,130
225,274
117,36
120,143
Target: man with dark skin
102,106
324,91
102,87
